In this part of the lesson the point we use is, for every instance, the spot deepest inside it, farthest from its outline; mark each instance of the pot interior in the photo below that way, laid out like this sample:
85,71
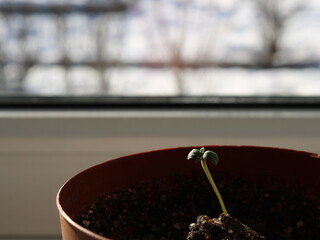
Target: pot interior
288,166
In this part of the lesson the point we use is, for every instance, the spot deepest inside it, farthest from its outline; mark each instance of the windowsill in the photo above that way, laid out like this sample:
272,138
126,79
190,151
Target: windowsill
40,150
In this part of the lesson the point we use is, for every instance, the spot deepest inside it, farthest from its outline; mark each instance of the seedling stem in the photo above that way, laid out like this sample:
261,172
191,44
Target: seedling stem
214,186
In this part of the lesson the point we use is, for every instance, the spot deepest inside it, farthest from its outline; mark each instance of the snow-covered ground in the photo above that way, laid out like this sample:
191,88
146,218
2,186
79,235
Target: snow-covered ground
153,82
158,30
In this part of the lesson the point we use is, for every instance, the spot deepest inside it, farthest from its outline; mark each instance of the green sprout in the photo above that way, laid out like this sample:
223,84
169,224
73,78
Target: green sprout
204,156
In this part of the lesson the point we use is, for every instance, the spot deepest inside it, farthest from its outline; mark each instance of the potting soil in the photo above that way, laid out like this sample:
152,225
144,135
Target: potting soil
164,209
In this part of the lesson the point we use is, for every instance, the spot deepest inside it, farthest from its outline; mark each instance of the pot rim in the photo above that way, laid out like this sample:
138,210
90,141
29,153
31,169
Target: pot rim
73,223
97,236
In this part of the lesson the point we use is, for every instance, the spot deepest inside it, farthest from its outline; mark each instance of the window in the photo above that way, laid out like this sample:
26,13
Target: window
159,52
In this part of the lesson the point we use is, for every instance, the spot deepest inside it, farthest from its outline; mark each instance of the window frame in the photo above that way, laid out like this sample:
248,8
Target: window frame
148,102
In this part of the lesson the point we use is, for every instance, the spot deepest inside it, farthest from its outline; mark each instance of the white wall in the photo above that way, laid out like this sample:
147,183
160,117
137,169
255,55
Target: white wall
40,150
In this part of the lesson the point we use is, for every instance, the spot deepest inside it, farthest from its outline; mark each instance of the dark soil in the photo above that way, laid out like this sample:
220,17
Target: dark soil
152,210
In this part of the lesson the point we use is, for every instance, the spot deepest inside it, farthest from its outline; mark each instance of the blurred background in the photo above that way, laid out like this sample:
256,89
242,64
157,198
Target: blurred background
159,48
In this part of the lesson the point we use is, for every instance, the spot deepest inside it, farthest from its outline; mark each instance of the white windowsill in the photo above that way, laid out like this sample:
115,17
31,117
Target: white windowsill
40,150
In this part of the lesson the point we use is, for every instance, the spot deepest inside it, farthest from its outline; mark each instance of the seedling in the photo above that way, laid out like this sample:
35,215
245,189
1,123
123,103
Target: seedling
204,156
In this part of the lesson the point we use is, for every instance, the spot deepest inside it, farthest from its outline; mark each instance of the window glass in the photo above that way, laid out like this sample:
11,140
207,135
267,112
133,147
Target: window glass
163,48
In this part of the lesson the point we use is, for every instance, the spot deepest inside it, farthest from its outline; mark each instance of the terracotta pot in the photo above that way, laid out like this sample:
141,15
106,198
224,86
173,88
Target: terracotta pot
292,167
